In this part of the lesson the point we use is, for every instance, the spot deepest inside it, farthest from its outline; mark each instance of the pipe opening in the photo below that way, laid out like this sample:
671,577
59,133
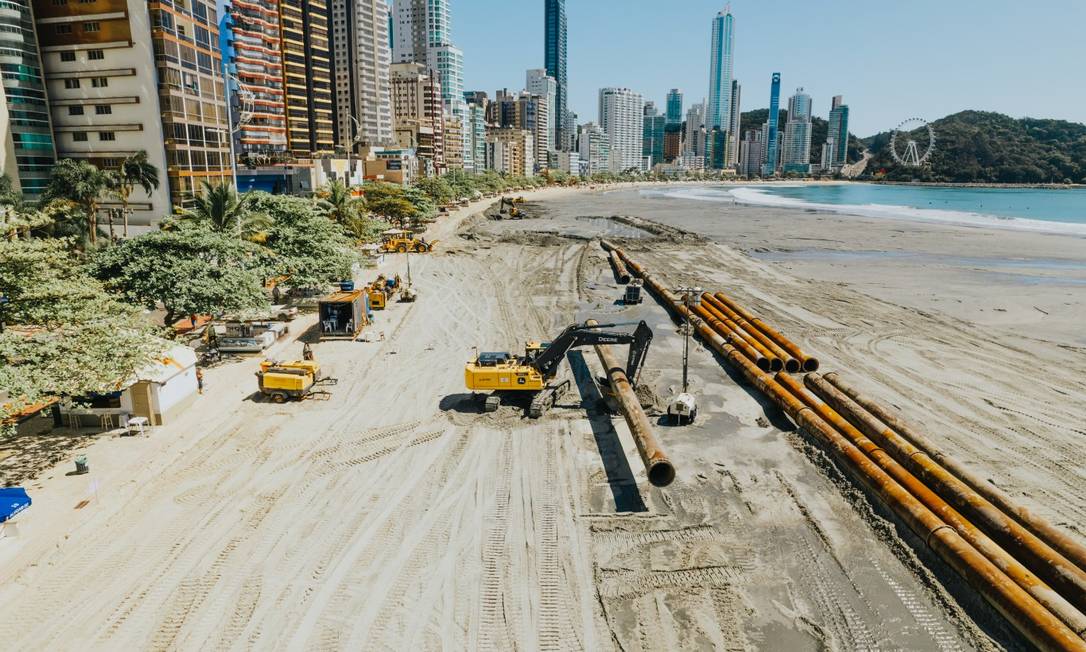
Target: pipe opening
810,364
775,364
763,364
792,365
661,474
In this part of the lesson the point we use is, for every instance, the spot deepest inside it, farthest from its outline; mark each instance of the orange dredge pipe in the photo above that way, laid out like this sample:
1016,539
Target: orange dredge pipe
1065,558
807,362
791,365
728,328
1026,614
621,273
657,465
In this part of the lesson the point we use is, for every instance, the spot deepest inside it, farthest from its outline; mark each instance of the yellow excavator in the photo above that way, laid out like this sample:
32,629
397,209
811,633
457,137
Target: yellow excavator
533,374
509,207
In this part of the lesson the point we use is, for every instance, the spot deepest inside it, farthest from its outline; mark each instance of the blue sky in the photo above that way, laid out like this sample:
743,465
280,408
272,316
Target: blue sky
891,60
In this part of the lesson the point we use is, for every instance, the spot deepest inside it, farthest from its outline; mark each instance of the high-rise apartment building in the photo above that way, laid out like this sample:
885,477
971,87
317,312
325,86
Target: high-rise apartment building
454,142
734,118
307,77
837,134
796,146
621,111
722,52
418,118
422,33
554,56
769,166
28,150
538,82
474,132
694,147
254,61
360,58
103,92
594,147
674,107
652,136
751,152
509,150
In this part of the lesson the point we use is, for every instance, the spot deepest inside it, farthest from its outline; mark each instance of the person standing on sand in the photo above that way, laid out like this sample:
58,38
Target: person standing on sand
200,381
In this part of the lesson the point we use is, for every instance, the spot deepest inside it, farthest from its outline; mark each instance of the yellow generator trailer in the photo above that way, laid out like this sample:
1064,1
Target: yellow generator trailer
533,374
280,381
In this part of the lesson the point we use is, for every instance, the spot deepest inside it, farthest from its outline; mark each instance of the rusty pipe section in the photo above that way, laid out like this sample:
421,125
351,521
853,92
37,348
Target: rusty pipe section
789,364
729,331
657,465
1040,626
1070,550
1052,567
807,363
1010,566
621,273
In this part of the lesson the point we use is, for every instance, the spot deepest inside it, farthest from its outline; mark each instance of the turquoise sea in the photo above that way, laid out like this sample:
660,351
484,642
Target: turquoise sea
1054,210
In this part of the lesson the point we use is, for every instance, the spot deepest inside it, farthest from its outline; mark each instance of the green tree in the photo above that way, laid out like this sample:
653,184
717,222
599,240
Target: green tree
83,184
342,207
438,189
134,170
64,335
190,270
389,201
221,209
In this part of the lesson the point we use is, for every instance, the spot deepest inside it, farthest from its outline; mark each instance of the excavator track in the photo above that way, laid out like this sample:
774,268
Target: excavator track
545,399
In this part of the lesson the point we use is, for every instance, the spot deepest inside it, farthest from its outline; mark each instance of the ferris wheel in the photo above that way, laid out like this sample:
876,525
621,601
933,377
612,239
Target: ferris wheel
906,149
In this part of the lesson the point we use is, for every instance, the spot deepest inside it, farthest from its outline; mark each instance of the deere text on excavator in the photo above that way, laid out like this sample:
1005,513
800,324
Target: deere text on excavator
534,373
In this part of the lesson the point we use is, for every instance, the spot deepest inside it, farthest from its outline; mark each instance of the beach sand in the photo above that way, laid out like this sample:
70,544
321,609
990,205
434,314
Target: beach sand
395,516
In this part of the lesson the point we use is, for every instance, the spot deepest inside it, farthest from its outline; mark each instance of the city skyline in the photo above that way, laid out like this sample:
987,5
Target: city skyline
883,88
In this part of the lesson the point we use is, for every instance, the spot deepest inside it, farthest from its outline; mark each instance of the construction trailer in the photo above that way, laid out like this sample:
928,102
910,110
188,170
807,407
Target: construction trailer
343,315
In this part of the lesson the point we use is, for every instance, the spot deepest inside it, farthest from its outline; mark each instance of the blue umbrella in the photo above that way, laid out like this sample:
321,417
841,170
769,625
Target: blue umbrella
12,501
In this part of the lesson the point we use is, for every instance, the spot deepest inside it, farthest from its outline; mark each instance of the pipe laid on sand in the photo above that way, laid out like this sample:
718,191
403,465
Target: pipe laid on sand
1011,566
791,365
728,328
621,273
807,363
657,465
1067,559
1036,623
733,336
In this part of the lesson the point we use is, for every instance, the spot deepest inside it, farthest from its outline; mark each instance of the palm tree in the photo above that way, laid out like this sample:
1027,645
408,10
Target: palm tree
81,183
223,210
133,171
339,204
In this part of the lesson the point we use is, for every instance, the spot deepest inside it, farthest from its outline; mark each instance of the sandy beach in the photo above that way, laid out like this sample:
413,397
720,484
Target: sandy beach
396,516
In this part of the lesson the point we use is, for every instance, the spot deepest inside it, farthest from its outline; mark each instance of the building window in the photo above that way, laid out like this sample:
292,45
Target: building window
67,56
63,28
95,55
103,109
92,27
100,82
79,136
71,83
76,109
106,135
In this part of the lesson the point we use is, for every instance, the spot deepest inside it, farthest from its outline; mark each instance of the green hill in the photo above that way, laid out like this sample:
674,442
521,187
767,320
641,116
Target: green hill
984,147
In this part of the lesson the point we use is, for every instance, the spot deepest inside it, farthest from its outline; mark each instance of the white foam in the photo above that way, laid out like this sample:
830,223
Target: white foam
758,196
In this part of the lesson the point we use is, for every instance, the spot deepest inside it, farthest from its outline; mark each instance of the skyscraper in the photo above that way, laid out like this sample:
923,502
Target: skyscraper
307,77
652,135
423,34
554,55
769,166
674,107
694,152
538,82
621,112
28,139
796,152
417,117
734,117
594,147
837,134
361,60
720,70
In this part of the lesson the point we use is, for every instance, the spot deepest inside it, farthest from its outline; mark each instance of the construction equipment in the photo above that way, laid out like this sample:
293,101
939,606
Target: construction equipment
534,373
382,289
633,292
684,407
512,210
343,315
280,381
403,241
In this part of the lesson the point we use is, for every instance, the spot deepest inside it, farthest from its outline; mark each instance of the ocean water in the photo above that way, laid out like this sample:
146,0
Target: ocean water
1058,211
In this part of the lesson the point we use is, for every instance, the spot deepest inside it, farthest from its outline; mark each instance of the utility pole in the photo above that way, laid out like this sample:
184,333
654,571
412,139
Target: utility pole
685,405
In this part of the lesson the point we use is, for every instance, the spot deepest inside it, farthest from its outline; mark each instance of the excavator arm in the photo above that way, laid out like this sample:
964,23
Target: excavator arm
578,335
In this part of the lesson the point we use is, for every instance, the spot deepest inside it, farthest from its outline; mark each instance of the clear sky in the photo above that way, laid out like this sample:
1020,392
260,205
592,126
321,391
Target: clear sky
890,59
